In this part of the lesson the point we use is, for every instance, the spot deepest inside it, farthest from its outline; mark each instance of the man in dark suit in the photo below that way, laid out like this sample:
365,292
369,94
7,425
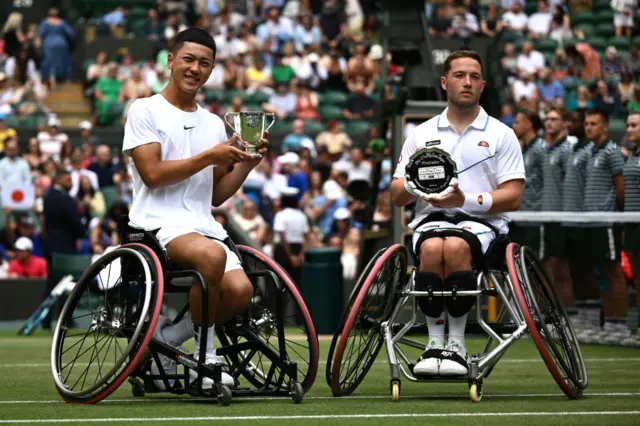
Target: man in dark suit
62,226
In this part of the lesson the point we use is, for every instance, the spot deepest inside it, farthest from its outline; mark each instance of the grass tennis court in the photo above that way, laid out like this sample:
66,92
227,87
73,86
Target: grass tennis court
519,391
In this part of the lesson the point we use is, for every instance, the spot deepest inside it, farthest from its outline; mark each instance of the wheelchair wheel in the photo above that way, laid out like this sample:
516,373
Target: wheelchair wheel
547,320
343,319
361,337
106,324
294,340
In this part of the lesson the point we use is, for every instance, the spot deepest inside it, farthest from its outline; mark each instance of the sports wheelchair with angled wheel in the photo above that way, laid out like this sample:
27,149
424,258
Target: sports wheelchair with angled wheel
104,334
385,295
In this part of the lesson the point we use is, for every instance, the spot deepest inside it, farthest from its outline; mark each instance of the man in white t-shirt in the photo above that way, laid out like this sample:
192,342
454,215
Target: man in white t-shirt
515,20
490,180
51,141
539,23
180,153
530,61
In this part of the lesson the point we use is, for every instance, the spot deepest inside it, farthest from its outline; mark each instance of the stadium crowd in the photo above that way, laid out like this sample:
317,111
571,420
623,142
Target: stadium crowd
289,58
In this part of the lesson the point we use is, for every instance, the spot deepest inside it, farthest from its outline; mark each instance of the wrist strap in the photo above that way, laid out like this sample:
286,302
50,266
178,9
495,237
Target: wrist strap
479,202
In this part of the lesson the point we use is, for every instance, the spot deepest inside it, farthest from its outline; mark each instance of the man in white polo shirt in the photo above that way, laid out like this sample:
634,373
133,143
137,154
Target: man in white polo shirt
490,179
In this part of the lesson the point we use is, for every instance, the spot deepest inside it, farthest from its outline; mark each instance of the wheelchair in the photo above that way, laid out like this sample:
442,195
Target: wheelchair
105,329
383,310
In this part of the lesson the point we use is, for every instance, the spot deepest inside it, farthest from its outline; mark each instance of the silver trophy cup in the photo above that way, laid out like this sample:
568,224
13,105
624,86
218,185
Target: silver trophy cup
250,126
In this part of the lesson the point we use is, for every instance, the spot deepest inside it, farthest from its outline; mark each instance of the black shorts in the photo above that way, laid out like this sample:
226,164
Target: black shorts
526,235
602,244
553,239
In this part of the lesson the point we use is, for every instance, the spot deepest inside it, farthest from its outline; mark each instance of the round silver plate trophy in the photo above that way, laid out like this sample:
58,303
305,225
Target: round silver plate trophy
250,127
432,172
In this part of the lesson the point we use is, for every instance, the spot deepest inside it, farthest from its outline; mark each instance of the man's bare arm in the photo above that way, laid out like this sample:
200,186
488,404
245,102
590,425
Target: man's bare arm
401,197
507,197
227,184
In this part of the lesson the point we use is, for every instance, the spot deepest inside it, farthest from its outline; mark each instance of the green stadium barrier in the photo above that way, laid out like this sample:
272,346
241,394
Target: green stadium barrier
322,287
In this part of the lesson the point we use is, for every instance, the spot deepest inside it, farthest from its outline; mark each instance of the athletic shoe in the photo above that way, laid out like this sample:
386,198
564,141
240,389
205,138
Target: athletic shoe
207,383
429,362
454,359
169,365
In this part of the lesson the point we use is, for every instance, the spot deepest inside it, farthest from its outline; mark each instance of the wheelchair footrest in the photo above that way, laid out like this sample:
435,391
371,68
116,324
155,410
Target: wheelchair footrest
424,378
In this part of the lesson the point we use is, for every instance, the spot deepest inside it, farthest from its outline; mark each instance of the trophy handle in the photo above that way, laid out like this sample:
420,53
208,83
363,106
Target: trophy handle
273,120
227,121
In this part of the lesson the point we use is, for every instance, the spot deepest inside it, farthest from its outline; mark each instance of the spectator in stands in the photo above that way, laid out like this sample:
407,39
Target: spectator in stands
539,24
624,10
611,64
293,141
350,254
86,135
78,171
153,28
292,227
563,67
530,61
12,34
524,89
282,103
440,26
282,73
8,95
276,30
360,68
174,25
134,88
103,166
336,67
259,77
582,102
332,24
115,21
25,226
625,89
356,166
465,24
382,214
307,103
550,90
604,100
508,115
591,66
509,62
92,199
51,140
560,26
97,70
307,32
334,139
33,156
631,61
515,22
6,133
107,92
161,82
26,264
251,222
13,168
491,24
57,36
295,177
360,106
314,72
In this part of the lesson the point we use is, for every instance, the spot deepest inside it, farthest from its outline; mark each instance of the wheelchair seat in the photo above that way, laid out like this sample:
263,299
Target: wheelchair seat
495,257
129,234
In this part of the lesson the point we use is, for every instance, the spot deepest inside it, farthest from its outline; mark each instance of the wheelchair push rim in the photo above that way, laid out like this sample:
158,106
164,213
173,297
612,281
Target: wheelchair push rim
345,314
537,298
394,262
111,319
307,350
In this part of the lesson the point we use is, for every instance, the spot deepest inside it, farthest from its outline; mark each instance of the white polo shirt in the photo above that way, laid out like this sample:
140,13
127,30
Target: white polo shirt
487,153
187,204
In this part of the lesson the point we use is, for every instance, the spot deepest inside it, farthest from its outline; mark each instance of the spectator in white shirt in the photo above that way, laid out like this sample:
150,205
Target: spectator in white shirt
13,168
623,16
515,21
312,71
539,23
356,166
524,88
465,24
251,222
51,141
77,171
530,61
282,103
291,225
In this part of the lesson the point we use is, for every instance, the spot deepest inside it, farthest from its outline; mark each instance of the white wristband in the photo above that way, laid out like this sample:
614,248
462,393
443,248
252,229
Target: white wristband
409,189
477,202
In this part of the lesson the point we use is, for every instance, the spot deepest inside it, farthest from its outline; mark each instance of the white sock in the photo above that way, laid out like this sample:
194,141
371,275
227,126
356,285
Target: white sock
196,335
436,328
457,327
179,333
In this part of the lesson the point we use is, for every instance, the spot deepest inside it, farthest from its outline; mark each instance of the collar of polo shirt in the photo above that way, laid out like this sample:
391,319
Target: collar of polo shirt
480,123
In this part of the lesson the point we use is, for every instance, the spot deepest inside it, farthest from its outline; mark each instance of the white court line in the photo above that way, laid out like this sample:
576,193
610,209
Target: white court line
327,416
258,398
502,361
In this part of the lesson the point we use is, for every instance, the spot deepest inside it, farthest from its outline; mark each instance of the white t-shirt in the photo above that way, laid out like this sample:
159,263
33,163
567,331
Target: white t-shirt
523,90
51,145
487,154
293,223
539,22
518,22
181,135
532,63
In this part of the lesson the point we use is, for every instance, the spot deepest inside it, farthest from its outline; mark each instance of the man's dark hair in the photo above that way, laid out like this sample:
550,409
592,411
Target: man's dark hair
532,117
601,113
194,35
461,54
60,172
560,110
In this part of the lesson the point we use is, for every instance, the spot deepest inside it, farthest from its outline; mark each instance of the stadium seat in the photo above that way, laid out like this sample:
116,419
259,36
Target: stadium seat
69,264
601,5
585,18
617,126
355,127
546,45
232,93
605,29
312,127
211,94
332,97
110,194
598,43
330,112
257,98
283,126
620,43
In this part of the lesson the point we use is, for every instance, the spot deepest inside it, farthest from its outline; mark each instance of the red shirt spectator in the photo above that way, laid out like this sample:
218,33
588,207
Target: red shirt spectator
26,265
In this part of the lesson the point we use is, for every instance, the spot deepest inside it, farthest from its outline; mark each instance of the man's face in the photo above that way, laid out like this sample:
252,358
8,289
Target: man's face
527,48
65,182
191,66
521,125
356,156
633,128
463,83
298,127
23,255
11,148
26,230
542,7
594,127
554,125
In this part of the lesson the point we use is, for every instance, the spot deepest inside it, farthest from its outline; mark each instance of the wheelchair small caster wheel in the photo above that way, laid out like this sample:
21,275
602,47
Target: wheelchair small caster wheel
395,390
297,393
224,395
475,391
137,388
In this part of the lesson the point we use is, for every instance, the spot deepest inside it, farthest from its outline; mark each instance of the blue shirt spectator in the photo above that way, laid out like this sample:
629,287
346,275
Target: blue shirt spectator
549,89
293,141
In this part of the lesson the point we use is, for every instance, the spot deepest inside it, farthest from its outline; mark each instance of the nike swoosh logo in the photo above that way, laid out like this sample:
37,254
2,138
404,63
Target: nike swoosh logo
187,128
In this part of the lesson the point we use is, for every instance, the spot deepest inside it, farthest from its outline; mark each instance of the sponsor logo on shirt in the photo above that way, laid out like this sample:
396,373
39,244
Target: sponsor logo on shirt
432,143
480,199
484,144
